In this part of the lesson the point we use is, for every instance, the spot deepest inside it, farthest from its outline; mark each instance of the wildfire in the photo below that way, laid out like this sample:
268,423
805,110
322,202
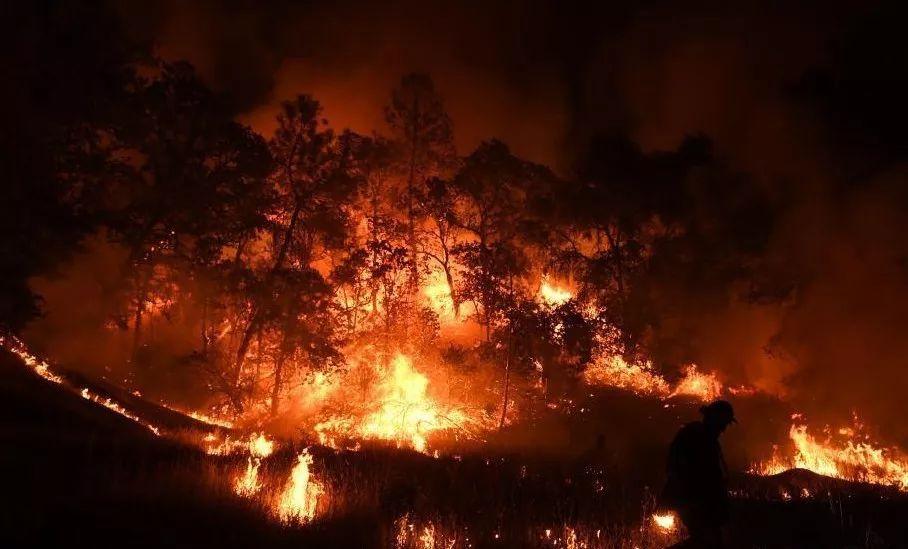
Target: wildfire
642,379
299,501
248,483
43,369
552,294
702,385
111,405
614,371
410,535
438,297
857,459
400,411
665,522
203,418
214,445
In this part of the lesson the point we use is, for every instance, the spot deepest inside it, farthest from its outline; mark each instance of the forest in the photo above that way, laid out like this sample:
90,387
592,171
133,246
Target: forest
385,314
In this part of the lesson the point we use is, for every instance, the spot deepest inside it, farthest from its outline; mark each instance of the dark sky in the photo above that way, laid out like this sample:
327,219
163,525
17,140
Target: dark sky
540,75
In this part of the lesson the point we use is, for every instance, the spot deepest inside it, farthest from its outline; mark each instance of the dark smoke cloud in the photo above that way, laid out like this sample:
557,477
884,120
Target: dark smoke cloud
511,70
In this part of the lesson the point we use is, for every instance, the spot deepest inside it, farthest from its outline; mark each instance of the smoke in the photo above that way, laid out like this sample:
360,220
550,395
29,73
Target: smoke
846,329
86,326
544,79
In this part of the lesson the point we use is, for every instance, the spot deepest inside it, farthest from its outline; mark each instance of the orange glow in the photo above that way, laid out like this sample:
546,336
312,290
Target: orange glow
408,534
614,371
43,369
248,483
552,294
642,379
300,499
438,296
111,405
665,522
856,458
702,385
400,410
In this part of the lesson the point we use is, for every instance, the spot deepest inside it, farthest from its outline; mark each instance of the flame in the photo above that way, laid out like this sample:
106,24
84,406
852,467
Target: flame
702,385
665,522
248,483
857,459
401,411
552,294
428,536
407,533
260,446
111,405
614,371
438,296
214,445
642,379
299,501
43,369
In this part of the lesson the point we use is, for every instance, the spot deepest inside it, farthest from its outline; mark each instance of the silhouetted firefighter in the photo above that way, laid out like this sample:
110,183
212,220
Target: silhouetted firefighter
697,477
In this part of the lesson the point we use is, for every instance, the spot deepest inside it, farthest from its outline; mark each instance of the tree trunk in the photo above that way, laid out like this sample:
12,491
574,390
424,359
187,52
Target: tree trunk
137,326
256,320
411,186
455,303
141,294
507,385
507,363
205,326
276,390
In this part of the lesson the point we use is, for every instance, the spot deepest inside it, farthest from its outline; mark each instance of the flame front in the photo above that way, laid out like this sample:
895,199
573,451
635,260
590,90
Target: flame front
857,459
400,410
643,379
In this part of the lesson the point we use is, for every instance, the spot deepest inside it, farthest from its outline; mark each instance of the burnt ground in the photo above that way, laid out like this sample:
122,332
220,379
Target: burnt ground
79,475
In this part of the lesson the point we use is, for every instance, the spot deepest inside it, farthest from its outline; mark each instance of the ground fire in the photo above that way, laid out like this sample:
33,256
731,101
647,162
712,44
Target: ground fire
847,453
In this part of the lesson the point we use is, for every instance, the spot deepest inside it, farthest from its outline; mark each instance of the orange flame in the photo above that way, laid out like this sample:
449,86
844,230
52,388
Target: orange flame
857,459
401,411
702,385
552,294
643,379
300,499
248,483
665,522
43,369
614,371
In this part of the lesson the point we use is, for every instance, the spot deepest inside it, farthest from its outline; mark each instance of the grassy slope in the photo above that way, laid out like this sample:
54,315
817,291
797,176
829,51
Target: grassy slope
75,474
78,475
